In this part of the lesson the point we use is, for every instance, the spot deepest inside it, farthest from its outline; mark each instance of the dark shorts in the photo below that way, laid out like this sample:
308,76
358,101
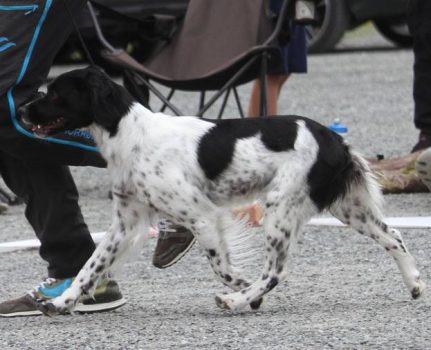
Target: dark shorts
294,55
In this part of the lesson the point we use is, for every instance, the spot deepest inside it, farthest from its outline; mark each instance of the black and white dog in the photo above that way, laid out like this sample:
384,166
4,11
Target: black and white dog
190,170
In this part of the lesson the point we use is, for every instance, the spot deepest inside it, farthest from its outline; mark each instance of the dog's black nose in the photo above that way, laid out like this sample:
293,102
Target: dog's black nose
23,111
23,116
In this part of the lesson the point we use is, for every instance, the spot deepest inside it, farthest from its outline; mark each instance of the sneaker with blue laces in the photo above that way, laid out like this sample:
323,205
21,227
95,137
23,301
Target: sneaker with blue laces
107,297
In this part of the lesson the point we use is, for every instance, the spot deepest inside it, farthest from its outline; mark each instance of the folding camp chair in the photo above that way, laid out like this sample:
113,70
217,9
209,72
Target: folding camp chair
221,45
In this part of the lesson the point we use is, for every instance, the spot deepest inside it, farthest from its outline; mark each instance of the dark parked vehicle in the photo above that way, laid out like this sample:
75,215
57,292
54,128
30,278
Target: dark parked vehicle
145,23
153,20
335,17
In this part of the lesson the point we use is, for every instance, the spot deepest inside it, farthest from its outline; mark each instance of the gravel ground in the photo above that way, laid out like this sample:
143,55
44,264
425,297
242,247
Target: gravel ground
343,292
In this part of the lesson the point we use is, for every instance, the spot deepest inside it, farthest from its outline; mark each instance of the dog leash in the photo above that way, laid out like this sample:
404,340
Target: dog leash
78,32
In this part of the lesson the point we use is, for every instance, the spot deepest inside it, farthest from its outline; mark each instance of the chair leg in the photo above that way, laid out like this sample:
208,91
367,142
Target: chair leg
264,85
158,94
168,98
223,106
238,102
226,86
202,100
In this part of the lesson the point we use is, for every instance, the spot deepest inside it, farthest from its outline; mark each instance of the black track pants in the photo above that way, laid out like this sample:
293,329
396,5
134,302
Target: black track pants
419,20
31,33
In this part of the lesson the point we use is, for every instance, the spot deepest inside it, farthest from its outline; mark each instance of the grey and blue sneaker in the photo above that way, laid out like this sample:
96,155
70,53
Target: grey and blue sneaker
106,297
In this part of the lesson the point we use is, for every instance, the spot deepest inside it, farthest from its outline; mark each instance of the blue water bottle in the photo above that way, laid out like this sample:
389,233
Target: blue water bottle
338,127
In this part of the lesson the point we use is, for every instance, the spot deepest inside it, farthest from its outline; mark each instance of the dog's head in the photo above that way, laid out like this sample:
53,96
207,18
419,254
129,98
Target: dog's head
77,99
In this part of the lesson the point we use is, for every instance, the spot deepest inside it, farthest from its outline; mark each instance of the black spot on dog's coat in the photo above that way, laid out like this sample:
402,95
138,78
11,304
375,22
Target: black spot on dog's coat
272,283
212,252
216,147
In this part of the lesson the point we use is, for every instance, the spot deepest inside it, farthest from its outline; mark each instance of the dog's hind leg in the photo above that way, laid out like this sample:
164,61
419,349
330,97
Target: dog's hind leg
359,210
211,236
284,217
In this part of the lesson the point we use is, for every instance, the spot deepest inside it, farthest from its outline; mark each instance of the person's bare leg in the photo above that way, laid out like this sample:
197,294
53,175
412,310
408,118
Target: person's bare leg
275,83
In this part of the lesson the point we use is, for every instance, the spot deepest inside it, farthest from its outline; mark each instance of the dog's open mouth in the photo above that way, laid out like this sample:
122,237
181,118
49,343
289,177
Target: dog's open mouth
47,129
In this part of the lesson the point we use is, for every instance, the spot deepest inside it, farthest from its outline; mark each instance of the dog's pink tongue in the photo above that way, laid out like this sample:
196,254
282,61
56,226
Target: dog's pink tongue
38,131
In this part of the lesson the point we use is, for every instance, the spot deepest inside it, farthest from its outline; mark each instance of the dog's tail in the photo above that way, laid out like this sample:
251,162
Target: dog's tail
360,182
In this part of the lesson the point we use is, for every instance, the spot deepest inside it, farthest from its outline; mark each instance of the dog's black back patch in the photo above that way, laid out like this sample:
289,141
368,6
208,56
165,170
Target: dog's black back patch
216,147
334,168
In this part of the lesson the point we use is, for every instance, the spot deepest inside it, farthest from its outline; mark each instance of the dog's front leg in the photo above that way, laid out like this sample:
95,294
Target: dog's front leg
112,245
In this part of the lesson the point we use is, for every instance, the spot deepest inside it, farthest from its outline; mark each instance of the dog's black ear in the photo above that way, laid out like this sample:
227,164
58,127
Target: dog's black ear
109,101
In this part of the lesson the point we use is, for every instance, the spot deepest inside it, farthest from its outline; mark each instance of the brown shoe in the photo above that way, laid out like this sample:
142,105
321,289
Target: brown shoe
423,142
173,243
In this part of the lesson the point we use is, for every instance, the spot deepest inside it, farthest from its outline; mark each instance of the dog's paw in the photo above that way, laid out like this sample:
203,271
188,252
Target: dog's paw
255,305
417,291
222,303
48,308
55,307
233,301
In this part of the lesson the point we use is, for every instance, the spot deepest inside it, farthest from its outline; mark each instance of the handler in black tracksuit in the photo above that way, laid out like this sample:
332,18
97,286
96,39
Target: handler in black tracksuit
419,20
31,33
